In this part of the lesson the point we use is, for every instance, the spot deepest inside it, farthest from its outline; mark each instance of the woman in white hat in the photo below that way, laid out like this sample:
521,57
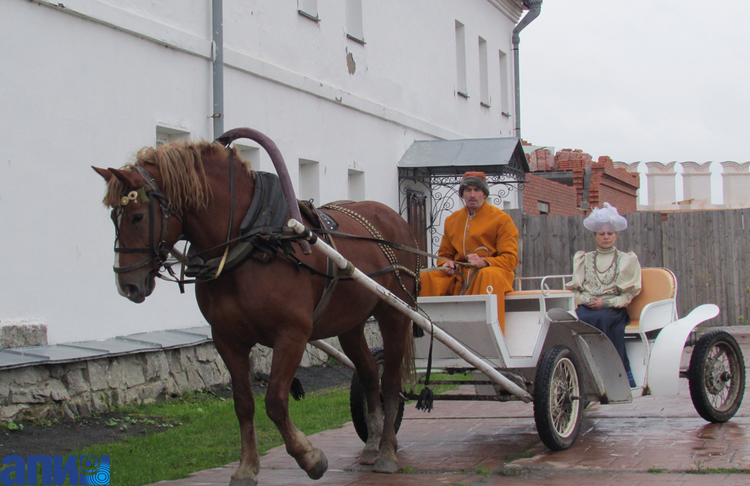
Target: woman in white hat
606,280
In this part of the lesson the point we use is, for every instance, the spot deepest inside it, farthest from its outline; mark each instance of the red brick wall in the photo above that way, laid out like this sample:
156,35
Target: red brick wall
608,184
561,198
615,186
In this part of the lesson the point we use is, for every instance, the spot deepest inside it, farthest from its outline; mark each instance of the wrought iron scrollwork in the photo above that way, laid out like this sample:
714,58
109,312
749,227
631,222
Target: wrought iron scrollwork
442,192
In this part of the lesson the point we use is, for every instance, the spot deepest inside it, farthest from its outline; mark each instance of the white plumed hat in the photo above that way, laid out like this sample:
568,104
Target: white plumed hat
606,215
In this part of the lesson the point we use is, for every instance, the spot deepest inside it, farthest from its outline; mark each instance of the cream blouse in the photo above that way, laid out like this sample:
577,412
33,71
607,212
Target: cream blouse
611,275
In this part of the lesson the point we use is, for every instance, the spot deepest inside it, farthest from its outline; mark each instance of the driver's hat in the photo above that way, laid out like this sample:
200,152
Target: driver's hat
476,179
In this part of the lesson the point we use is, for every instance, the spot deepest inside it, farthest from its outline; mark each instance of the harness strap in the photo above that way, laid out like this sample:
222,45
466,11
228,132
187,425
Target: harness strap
387,251
392,244
344,275
330,284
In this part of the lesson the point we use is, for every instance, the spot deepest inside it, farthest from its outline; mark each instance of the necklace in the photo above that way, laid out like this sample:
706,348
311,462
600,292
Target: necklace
604,279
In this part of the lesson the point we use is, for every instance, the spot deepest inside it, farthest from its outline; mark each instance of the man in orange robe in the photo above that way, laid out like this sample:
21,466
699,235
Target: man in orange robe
479,249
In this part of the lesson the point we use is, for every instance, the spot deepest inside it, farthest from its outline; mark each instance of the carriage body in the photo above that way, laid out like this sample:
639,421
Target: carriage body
544,342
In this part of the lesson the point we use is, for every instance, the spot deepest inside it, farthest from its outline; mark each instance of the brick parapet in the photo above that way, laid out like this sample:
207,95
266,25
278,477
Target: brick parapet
561,198
608,183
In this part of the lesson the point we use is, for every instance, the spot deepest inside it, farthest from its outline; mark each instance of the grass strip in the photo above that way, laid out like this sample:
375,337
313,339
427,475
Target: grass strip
207,435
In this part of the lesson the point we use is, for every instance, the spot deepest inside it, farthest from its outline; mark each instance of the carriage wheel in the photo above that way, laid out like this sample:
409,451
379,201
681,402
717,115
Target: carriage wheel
557,398
717,376
358,400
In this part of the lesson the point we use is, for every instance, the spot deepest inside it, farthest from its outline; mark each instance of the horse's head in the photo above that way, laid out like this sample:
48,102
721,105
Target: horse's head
145,227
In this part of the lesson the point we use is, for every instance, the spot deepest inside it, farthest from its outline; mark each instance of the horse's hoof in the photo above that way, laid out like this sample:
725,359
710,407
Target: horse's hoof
387,466
369,456
243,482
320,465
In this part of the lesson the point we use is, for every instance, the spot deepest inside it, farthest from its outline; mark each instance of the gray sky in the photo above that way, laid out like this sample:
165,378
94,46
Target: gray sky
640,80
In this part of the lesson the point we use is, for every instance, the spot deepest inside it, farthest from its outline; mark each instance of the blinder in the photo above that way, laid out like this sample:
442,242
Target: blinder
148,193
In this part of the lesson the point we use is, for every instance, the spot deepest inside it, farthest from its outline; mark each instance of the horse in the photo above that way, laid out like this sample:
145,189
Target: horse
200,191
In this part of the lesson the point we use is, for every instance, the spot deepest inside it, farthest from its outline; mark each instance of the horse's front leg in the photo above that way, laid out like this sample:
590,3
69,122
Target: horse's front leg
287,356
237,359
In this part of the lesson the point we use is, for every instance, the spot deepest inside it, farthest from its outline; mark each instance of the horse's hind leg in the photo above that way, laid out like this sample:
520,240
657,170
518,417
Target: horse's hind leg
286,358
237,359
394,327
355,346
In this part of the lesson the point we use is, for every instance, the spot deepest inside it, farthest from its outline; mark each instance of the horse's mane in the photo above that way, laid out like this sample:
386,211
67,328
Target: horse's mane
183,176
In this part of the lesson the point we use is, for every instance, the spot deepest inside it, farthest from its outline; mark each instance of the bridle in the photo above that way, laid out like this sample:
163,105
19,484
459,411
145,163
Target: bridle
157,251
150,193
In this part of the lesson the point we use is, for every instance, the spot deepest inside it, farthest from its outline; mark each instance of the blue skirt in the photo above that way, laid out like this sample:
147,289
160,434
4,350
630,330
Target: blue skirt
612,322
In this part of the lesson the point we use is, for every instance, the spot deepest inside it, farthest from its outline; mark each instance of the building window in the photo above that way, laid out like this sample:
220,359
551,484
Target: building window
484,88
461,87
543,207
165,135
309,180
249,154
354,25
504,84
309,9
356,185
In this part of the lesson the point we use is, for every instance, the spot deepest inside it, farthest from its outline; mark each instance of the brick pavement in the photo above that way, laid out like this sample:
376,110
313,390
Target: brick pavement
652,441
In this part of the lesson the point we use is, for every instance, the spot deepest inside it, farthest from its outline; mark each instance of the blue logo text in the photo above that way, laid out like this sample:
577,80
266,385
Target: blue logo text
54,470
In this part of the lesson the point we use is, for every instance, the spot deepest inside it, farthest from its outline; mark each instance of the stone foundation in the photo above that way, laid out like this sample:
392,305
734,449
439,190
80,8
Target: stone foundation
86,387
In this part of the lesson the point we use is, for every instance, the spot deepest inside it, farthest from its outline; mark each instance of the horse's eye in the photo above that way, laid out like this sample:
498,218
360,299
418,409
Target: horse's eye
137,218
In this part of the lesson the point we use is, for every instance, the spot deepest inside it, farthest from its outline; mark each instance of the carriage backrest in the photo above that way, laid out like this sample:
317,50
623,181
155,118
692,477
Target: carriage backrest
656,284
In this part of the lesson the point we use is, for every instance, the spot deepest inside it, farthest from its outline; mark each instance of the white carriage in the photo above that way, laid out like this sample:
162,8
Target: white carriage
545,355
562,364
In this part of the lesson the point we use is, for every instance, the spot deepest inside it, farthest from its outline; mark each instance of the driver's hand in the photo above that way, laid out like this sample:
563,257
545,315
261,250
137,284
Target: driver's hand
476,261
449,268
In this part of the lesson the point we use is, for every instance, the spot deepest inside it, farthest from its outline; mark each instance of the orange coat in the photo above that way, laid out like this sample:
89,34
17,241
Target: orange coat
491,234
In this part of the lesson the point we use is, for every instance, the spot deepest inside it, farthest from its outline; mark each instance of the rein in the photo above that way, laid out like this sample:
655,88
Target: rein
396,246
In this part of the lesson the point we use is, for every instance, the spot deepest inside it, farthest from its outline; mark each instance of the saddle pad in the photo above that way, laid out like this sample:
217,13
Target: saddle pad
327,222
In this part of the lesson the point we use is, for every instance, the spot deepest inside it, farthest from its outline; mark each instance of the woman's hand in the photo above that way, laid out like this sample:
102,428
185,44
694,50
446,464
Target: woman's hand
596,304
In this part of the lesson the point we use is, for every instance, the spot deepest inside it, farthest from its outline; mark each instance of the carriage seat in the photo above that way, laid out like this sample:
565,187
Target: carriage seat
655,306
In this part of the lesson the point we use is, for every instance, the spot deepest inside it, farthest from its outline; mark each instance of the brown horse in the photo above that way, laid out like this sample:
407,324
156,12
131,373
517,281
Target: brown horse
185,189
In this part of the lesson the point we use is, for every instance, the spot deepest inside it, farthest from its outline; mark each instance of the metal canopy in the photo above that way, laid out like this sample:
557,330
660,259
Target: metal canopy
494,156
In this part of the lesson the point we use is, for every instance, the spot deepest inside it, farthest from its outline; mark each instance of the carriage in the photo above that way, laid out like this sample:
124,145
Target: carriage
545,355
254,288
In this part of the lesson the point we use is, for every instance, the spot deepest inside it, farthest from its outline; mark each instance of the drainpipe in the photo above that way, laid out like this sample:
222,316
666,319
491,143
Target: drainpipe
217,57
535,8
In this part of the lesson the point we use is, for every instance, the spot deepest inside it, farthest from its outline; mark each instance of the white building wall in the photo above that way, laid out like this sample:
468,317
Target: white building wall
89,83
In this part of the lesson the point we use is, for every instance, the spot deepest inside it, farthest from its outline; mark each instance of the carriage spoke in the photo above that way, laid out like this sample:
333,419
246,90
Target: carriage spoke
564,392
719,377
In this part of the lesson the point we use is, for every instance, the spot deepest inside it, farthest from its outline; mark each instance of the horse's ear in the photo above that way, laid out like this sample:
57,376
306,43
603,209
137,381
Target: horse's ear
107,175
127,177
